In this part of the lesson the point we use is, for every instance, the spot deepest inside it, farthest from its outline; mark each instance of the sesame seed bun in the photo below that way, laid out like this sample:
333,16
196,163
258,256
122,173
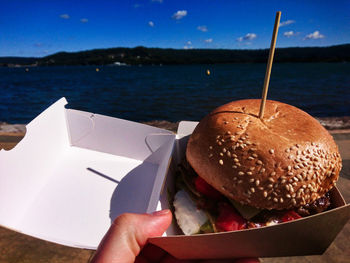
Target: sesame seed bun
284,161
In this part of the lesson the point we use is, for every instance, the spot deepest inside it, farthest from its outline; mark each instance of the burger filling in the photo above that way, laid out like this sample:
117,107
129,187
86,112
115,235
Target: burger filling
199,208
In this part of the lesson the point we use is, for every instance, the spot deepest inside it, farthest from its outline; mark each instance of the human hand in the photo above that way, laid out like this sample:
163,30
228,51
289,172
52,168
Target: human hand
126,241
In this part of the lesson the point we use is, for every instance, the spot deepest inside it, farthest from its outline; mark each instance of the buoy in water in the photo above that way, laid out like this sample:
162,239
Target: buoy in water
207,72
97,69
27,69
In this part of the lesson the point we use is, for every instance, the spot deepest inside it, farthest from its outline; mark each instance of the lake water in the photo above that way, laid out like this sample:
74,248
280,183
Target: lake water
173,93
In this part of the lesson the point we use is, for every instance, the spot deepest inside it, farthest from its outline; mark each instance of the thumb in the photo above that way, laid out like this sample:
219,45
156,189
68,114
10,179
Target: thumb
128,234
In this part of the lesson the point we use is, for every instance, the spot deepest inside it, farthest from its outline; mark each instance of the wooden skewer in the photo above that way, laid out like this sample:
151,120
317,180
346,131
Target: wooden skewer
269,64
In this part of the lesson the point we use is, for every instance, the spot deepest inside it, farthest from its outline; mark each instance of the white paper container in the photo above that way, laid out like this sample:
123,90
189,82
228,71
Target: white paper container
74,172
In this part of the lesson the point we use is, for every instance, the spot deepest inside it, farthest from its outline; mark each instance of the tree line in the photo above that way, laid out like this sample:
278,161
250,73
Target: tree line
148,56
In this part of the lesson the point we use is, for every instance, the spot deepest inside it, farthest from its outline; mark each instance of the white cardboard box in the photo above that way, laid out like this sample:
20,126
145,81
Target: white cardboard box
74,172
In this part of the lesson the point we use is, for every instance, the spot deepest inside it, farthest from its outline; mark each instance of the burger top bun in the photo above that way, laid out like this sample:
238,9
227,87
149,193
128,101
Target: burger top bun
283,161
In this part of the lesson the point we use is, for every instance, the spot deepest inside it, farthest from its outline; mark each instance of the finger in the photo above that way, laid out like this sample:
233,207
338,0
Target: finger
128,234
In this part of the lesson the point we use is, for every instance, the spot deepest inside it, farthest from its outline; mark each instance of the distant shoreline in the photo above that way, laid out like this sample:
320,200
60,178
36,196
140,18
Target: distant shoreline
121,56
330,123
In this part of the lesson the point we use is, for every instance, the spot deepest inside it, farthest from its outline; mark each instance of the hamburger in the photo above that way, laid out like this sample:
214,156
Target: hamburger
242,172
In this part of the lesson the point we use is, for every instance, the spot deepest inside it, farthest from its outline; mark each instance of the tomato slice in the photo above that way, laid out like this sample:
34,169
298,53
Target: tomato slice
229,219
290,215
206,189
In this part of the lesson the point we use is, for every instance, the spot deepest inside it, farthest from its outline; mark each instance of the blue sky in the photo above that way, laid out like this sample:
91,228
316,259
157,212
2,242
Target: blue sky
43,27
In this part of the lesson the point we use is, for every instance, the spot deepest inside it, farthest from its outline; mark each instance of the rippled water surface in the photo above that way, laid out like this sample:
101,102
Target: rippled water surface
173,93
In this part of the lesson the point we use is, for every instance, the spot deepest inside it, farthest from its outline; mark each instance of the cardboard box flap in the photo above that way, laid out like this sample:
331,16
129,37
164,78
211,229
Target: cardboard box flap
70,177
115,136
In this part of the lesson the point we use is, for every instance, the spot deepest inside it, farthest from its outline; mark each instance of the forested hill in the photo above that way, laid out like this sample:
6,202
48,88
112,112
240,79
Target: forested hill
143,55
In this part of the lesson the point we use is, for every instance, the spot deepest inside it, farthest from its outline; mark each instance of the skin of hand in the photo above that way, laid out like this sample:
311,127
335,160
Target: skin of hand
126,241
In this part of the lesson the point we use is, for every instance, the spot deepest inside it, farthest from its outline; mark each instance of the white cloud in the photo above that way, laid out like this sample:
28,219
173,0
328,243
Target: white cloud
84,20
286,23
65,16
159,1
209,40
151,24
188,45
179,14
314,35
249,36
202,28
289,34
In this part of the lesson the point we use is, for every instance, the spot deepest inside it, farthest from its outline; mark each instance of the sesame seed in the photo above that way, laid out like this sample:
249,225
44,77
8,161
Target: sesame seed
265,194
221,162
253,149
272,151
239,182
221,154
225,122
281,200
288,196
298,152
250,158
259,162
234,155
228,132
224,150
234,178
254,155
271,180
296,167
234,166
211,155
270,186
252,168
240,173
294,202
290,173
289,168
257,182
219,143
273,173
251,180
287,150
262,170
249,173
275,200
236,160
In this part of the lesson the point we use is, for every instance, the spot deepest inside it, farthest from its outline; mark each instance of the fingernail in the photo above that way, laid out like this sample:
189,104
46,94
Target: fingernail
161,212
